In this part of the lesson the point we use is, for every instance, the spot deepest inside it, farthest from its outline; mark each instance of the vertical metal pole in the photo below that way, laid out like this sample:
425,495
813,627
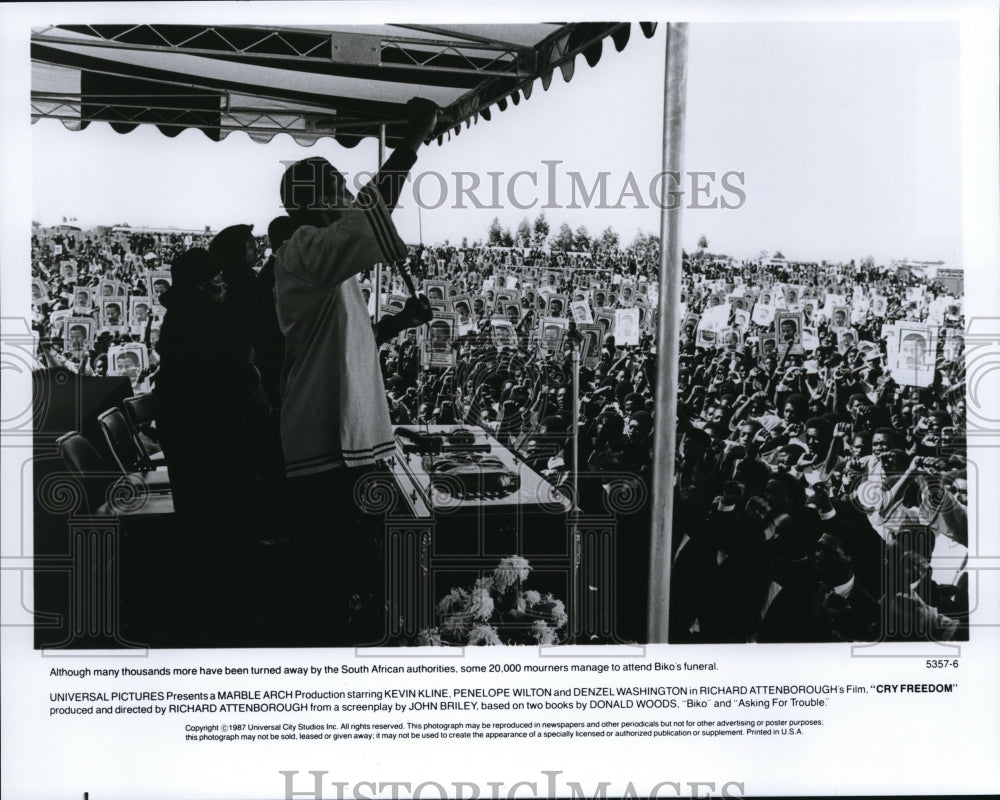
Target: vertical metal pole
575,430
579,593
668,337
377,288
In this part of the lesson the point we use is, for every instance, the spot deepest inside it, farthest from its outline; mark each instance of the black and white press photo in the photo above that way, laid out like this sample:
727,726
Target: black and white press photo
393,377
252,337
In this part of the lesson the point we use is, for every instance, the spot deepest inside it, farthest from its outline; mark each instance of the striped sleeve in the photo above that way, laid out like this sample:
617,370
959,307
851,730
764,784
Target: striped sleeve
369,201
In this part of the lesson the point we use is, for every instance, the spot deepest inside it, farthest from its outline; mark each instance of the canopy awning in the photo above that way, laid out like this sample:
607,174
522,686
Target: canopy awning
324,81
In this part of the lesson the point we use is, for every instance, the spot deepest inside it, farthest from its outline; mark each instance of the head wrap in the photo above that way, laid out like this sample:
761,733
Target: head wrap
191,269
229,250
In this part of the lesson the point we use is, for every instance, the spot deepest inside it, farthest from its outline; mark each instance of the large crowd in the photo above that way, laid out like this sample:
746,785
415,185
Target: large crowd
820,477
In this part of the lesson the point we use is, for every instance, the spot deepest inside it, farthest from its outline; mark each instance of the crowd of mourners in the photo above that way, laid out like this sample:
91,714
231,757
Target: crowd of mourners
820,474
75,274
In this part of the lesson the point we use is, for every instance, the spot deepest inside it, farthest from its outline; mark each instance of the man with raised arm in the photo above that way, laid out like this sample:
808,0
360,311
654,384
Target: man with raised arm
334,417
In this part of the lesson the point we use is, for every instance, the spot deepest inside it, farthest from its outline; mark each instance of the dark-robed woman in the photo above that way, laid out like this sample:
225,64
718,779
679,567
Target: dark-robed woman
205,392
234,250
250,302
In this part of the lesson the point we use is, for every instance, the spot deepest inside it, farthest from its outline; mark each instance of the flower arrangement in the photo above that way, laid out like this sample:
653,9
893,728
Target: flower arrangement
497,610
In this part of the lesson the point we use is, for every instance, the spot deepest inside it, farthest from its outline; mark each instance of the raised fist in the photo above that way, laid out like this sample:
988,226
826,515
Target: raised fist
421,117
417,311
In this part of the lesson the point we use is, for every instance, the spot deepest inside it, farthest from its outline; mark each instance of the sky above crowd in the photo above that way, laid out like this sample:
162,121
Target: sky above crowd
826,140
